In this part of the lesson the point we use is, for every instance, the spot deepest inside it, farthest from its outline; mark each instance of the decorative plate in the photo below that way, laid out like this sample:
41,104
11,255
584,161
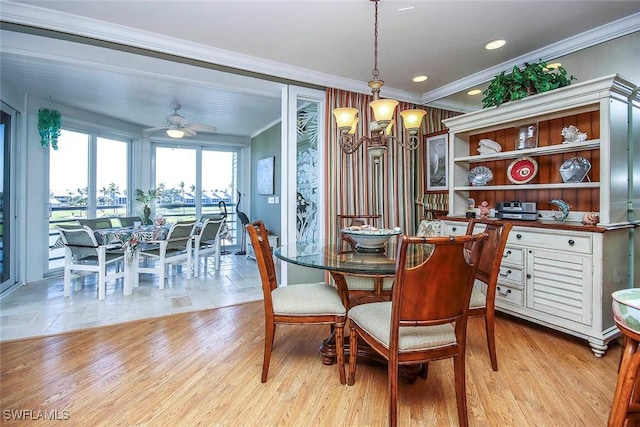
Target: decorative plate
522,170
480,175
575,169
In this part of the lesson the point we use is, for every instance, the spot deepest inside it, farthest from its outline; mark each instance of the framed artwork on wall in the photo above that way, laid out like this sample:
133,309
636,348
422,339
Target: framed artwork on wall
264,175
437,160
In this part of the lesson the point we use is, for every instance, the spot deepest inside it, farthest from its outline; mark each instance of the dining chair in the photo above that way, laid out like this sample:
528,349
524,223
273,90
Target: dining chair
129,221
83,253
96,223
361,287
207,242
310,303
175,249
483,296
426,319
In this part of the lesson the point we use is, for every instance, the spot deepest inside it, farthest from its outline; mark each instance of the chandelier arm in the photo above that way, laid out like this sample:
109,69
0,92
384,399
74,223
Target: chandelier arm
349,144
411,144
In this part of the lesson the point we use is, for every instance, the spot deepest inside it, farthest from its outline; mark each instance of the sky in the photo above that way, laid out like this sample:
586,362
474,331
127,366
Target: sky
69,165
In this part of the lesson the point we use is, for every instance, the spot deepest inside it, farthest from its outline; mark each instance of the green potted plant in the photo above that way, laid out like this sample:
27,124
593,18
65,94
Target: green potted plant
145,198
49,122
520,83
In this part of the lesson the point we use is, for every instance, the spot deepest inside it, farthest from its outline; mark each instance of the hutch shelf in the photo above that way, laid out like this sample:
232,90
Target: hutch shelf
559,273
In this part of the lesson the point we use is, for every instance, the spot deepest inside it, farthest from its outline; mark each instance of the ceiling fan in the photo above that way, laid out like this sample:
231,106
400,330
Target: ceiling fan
177,126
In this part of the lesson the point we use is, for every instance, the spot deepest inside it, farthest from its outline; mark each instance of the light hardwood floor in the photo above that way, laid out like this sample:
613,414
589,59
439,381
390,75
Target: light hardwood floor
203,368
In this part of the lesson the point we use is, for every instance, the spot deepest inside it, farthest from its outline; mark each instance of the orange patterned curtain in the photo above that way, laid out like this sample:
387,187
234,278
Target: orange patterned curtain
349,177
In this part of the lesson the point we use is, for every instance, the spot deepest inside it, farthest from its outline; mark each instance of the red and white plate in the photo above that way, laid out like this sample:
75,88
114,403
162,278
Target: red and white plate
522,170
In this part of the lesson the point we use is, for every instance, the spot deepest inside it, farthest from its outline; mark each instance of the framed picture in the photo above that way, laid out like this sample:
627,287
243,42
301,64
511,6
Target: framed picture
437,162
264,175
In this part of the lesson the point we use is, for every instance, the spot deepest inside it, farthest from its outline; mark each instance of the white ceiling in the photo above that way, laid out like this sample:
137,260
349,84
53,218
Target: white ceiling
324,43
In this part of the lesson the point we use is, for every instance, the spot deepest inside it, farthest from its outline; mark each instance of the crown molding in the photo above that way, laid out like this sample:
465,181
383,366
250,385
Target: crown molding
604,33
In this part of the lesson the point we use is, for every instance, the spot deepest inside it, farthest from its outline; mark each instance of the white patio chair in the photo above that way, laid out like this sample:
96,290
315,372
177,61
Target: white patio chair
83,253
175,249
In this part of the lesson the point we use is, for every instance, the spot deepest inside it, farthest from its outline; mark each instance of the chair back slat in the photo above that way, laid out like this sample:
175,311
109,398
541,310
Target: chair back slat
80,240
445,276
96,223
209,231
260,242
129,221
179,235
489,264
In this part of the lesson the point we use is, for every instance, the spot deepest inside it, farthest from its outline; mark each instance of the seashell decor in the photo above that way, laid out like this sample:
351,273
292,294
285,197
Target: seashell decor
573,134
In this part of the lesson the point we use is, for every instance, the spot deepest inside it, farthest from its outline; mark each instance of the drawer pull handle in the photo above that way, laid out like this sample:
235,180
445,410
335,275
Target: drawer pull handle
506,274
528,276
505,293
506,254
454,228
571,242
518,236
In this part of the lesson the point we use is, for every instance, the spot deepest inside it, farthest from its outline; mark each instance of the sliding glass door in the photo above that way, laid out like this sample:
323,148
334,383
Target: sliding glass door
8,118
194,181
87,179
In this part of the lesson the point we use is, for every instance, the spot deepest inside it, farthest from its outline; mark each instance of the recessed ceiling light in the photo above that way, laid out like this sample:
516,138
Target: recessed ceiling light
554,65
474,92
494,44
419,79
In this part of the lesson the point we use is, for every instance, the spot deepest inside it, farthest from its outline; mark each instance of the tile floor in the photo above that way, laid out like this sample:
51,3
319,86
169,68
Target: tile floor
40,309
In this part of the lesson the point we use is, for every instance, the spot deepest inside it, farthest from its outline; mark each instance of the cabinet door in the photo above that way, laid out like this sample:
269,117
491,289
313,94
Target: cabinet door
559,284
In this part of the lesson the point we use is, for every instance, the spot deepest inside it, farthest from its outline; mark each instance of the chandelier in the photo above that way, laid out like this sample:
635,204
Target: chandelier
383,109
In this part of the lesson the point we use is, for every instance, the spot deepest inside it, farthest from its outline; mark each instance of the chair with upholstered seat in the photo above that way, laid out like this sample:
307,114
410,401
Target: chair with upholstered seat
83,253
129,221
483,297
311,303
96,223
175,249
426,319
207,242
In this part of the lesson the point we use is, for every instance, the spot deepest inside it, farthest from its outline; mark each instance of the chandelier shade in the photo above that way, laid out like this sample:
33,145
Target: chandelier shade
383,111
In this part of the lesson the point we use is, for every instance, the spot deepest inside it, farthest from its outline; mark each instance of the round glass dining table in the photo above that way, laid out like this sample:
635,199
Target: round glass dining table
330,256
327,255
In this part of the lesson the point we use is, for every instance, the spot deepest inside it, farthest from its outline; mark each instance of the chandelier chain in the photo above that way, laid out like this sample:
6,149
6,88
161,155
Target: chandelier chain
375,71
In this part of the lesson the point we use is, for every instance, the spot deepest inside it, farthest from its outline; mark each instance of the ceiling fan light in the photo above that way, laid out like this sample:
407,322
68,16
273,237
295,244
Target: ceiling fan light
175,133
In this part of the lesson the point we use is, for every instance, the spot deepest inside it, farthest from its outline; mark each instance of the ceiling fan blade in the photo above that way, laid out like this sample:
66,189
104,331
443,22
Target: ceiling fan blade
189,131
155,129
204,128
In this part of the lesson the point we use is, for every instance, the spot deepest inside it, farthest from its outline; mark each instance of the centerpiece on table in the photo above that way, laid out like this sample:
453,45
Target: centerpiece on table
368,238
146,198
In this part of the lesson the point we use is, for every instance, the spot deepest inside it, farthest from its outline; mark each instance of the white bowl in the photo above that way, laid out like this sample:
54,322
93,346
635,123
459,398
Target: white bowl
626,308
371,240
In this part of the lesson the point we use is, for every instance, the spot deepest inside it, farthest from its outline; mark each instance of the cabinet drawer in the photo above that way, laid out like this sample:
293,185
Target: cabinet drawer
552,240
513,256
509,295
454,229
510,274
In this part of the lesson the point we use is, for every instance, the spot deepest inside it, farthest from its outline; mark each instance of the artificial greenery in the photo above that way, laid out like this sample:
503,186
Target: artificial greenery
145,198
49,122
520,83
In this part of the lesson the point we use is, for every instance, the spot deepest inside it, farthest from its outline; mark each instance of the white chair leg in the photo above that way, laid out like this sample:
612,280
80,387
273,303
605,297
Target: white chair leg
189,262
196,262
102,292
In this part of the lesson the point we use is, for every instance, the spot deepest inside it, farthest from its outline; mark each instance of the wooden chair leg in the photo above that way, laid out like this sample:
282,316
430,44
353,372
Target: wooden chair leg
269,334
393,392
626,382
461,389
353,354
489,324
